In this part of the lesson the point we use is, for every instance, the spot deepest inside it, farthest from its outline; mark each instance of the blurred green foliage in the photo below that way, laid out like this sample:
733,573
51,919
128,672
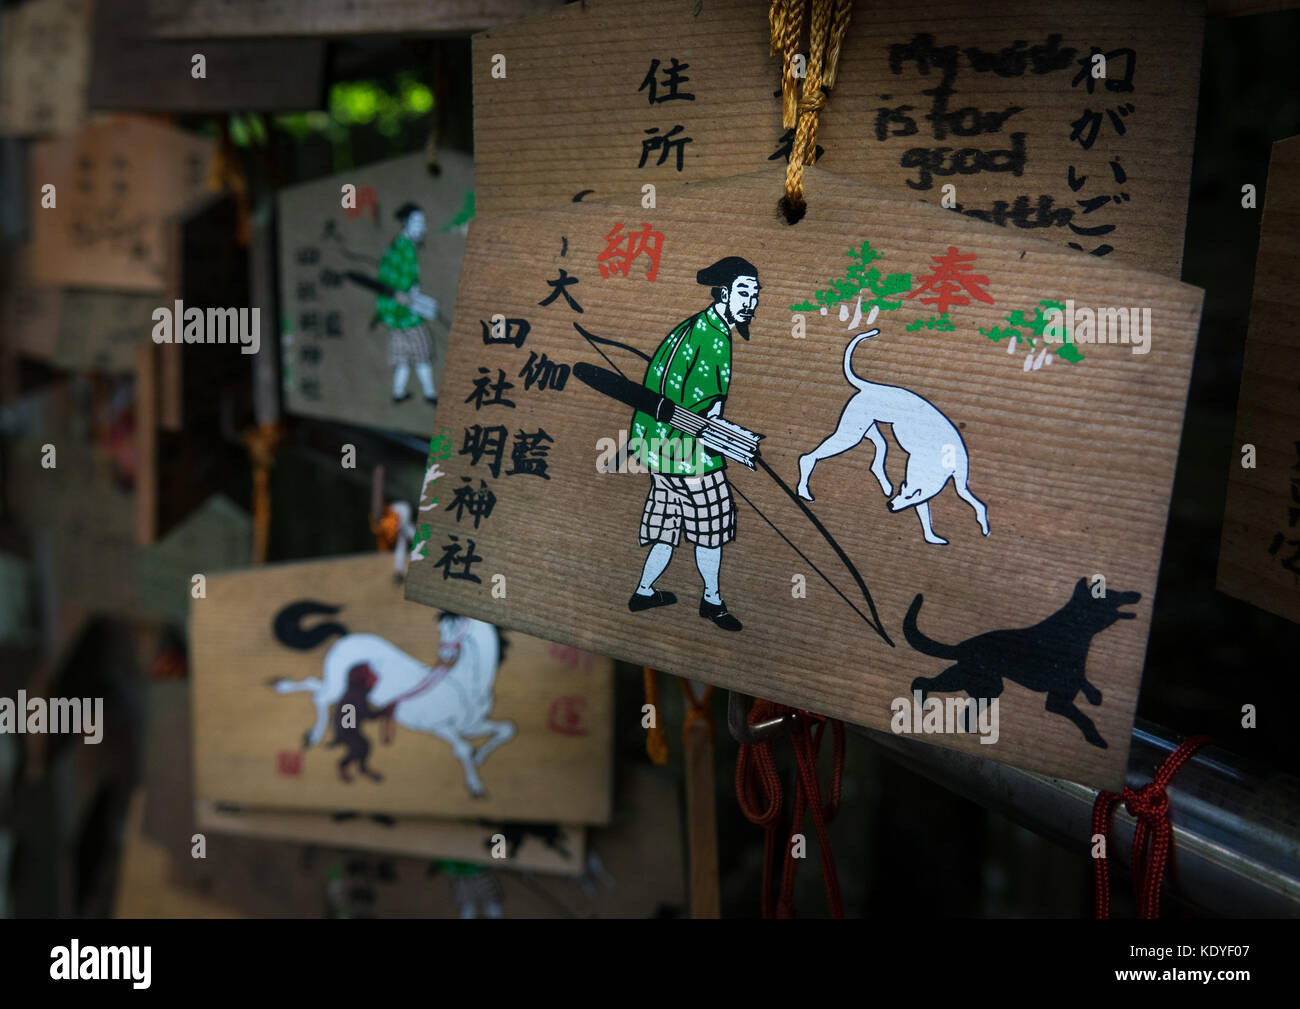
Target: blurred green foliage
386,106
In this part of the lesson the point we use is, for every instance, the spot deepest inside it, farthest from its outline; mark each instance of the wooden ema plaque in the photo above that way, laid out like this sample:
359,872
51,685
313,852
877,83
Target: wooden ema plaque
999,101
904,467
349,351
317,687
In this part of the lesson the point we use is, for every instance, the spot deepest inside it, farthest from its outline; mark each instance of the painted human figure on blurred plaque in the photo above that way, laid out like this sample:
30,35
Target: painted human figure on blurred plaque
409,342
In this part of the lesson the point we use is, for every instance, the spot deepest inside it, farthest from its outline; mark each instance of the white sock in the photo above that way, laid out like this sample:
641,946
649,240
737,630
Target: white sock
425,374
401,375
709,560
655,563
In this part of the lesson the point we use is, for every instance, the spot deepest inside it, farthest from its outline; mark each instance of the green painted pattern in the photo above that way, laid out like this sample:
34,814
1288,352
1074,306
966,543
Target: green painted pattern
1031,331
464,215
400,270
692,367
861,278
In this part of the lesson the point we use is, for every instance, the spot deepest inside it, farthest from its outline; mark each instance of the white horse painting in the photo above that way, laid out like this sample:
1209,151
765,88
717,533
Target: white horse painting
451,700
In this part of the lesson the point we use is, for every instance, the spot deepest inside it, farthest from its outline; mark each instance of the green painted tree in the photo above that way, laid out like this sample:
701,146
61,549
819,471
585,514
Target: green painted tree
861,278
1031,331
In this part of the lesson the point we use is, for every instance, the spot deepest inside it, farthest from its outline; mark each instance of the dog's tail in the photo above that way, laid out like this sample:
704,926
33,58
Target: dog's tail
918,640
288,625
855,380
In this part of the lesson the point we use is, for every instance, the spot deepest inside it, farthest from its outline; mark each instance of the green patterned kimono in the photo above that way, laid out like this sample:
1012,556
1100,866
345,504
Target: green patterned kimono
400,270
692,368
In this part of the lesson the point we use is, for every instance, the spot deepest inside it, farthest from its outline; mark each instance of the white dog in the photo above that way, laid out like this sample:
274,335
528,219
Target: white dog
935,451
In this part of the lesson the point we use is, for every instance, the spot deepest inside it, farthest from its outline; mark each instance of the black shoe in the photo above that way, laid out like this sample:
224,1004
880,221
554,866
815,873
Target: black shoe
431,400
402,398
719,615
639,602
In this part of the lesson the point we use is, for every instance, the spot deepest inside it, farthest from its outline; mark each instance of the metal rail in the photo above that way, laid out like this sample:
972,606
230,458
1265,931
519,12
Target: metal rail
1236,822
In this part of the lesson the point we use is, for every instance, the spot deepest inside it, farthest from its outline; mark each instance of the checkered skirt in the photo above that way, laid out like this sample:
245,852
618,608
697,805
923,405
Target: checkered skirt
700,507
479,890
410,346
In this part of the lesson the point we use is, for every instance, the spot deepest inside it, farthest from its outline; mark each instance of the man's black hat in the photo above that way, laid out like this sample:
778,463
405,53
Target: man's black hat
724,271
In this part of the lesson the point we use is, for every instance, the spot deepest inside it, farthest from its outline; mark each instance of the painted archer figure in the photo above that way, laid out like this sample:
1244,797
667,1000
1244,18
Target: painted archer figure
409,341
688,491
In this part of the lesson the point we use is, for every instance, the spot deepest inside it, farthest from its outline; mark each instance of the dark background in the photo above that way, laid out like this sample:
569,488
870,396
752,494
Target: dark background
903,846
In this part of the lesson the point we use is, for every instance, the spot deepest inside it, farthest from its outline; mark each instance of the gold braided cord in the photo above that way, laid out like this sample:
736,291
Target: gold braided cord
828,24
813,97
788,23
839,28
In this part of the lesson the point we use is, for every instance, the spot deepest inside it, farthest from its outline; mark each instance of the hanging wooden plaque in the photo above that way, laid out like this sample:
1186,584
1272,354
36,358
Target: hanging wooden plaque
350,351
908,455
116,183
999,111
44,62
317,687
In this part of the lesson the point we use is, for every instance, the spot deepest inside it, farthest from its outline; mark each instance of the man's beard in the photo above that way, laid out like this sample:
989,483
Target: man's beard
742,326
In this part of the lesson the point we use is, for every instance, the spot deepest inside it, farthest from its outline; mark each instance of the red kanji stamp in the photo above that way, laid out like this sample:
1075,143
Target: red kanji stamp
566,715
289,763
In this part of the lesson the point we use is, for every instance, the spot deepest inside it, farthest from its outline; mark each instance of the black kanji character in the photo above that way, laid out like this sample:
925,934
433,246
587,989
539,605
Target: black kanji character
479,503
512,331
480,441
673,79
451,554
544,373
484,384
560,286
663,143
528,455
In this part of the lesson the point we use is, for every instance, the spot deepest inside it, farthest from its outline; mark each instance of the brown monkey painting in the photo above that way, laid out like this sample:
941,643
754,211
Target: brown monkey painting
353,708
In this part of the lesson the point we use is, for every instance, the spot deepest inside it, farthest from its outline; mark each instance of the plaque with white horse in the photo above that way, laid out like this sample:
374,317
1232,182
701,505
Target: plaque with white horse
316,686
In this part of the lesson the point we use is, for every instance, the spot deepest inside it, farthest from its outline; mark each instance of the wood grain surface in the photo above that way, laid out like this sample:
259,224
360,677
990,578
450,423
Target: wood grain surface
1074,460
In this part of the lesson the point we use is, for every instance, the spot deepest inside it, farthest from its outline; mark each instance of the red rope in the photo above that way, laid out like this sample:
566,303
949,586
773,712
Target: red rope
1153,835
758,790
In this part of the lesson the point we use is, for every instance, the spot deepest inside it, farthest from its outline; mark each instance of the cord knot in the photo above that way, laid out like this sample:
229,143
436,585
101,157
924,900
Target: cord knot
1149,803
812,103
